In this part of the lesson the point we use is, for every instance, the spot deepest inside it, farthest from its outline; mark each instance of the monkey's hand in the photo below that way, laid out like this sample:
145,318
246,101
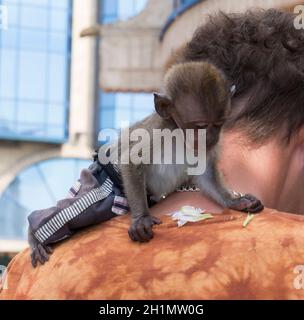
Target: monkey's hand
39,252
141,228
247,203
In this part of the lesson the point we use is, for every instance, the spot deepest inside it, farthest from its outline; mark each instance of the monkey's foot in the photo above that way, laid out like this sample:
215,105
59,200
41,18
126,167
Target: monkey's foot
247,203
40,254
141,228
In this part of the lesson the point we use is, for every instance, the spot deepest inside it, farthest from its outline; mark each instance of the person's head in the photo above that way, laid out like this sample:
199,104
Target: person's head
262,53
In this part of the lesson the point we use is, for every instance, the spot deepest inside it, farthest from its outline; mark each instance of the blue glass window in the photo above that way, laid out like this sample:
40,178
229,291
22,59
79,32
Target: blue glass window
115,108
113,10
37,187
119,108
34,70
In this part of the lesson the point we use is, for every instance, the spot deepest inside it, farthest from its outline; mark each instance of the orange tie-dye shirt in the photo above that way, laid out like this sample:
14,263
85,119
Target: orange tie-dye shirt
212,259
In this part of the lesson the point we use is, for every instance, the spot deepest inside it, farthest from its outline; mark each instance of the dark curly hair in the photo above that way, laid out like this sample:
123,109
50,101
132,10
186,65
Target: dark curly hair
262,53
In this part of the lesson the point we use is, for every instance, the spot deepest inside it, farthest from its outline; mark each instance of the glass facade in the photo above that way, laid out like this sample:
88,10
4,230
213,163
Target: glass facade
113,10
34,70
38,186
117,107
121,109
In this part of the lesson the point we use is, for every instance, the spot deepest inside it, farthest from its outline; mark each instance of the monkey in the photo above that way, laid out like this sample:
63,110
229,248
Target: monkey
196,95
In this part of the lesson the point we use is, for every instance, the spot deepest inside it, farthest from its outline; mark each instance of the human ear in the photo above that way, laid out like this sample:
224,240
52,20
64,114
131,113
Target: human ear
163,105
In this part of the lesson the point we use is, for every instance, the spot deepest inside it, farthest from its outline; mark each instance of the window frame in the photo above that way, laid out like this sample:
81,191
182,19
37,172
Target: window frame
45,138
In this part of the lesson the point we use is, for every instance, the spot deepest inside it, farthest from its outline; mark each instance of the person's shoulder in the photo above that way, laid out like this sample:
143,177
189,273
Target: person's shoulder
176,200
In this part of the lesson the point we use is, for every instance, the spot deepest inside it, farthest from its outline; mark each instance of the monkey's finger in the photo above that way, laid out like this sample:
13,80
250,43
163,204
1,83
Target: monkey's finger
49,249
256,209
156,220
33,259
148,229
142,234
137,237
149,232
249,196
39,257
131,235
255,205
43,253
248,201
134,235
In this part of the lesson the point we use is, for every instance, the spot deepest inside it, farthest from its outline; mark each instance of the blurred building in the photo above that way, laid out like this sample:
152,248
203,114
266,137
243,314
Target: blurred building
67,70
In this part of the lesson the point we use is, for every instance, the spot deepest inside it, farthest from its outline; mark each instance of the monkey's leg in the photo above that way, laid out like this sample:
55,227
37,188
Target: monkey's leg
135,190
212,185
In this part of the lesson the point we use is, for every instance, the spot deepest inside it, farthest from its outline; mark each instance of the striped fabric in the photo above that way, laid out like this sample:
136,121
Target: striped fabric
120,205
74,189
67,214
116,168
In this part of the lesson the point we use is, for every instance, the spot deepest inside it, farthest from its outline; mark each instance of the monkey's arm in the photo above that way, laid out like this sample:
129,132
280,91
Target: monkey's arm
211,184
135,189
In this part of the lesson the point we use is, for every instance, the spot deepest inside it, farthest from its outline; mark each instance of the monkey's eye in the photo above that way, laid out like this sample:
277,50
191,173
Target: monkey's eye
201,126
218,124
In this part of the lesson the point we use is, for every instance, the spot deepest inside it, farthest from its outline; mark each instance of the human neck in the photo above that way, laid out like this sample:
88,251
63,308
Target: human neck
273,172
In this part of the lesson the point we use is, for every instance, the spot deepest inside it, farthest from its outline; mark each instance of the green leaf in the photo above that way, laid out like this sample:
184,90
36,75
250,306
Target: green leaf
248,219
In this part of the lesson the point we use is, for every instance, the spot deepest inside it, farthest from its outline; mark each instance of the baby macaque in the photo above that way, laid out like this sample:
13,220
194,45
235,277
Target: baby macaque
196,96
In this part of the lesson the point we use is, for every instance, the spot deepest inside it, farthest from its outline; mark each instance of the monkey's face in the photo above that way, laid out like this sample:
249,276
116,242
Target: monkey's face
213,129
190,113
198,97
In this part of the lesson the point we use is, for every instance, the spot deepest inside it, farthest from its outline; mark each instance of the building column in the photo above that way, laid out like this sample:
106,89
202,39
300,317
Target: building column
83,81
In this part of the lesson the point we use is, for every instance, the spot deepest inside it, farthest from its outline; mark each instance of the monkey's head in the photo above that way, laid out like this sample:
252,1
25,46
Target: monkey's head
197,96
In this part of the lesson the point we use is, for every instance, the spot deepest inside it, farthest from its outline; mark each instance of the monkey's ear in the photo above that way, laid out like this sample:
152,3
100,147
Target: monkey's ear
163,105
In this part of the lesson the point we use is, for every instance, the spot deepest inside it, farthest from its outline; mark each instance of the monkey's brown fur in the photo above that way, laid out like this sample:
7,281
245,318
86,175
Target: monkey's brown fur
202,80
